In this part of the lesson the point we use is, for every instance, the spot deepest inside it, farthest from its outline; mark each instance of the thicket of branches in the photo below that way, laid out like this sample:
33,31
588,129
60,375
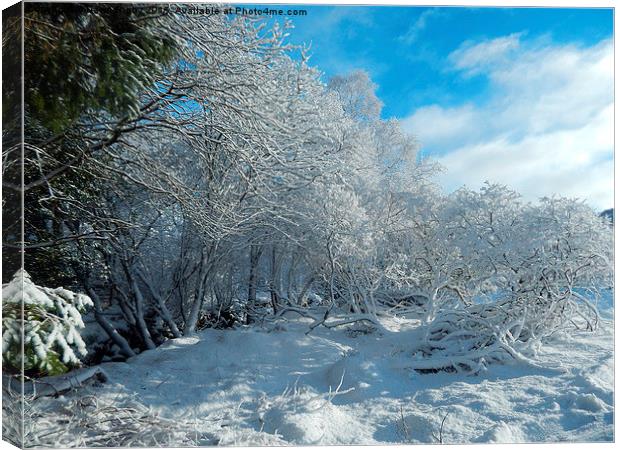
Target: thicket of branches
186,164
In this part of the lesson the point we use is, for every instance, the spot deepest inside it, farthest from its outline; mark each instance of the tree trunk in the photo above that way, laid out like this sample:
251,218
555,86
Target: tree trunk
255,254
192,318
119,340
140,323
273,280
304,290
291,282
164,312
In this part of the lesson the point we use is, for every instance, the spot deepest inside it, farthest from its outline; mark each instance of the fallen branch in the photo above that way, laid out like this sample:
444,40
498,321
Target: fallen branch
53,386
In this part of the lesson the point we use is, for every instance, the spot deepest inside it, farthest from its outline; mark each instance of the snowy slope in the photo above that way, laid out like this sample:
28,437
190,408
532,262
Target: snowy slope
280,386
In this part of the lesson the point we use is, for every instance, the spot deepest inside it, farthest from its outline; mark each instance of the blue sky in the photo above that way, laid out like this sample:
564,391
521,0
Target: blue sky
523,96
405,48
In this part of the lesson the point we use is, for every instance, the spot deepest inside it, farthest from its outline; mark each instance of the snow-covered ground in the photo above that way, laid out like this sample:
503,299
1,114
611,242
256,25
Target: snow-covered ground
278,385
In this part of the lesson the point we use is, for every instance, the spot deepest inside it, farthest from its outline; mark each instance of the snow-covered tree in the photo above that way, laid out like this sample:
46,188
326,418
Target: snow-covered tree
235,171
49,319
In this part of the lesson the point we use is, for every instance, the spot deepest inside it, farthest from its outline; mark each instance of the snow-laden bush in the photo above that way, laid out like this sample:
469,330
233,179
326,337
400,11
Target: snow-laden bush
468,339
50,322
501,276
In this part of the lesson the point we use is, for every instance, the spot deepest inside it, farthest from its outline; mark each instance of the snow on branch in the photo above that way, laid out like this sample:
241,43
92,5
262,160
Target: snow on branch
50,323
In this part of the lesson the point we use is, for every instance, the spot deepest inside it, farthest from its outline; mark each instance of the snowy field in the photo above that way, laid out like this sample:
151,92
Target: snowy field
276,385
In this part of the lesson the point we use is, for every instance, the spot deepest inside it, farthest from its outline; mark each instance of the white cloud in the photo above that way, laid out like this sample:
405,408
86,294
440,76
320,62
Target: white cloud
546,129
473,57
439,127
413,32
